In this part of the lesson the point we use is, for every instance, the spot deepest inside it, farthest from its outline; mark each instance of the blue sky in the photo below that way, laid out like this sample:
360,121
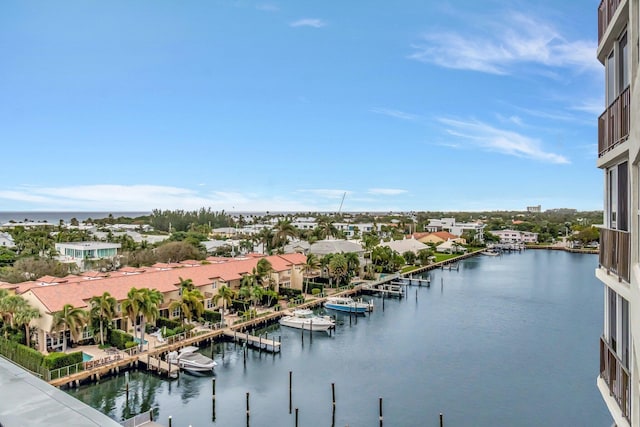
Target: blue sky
288,105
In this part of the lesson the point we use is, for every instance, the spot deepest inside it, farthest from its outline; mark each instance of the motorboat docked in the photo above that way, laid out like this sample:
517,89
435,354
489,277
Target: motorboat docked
491,252
189,360
306,319
347,304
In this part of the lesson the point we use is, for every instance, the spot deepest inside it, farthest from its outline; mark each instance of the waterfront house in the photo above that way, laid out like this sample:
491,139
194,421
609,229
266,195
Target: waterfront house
49,294
441,237
618,158
457,228
81,253
406,245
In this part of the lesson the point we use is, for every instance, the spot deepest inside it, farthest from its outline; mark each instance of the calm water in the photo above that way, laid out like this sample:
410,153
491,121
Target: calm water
504,341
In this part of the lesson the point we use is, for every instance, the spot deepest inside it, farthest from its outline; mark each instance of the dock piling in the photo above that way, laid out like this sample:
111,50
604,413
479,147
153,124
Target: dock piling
248,409
333,395
380,411
441,420
169,420
296,417
290,385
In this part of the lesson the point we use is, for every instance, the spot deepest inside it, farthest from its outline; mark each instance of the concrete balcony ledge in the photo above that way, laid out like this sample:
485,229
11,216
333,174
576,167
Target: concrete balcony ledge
612,405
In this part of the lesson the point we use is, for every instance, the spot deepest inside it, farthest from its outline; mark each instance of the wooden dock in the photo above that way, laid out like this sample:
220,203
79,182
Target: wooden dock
272,346
155,363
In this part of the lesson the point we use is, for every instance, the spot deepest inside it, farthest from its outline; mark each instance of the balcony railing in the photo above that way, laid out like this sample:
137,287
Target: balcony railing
606,10
615,252
616,375
613,124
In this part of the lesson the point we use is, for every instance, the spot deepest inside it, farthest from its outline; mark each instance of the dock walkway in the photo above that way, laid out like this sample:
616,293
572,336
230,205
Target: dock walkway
253,341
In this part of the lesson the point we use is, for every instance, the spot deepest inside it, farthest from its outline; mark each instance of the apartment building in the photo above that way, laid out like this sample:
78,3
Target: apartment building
618,269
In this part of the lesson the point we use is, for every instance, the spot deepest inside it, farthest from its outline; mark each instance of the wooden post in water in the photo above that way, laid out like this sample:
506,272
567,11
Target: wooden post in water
127,392
311,331
169,420
244,355
441,420
296,417
380,406
383,300
416,295
213,389
260,345
290,385
333,395
302,334
247,409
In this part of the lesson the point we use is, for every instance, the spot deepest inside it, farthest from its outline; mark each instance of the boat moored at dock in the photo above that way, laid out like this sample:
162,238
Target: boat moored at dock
306,319
348,305
190,360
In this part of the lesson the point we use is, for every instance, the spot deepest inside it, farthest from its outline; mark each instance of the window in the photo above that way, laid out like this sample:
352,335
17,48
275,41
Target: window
208,304
618,197
623,63
624,332
612,312
175,312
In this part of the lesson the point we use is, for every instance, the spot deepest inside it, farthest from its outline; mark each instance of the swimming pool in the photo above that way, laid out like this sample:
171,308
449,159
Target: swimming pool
86,357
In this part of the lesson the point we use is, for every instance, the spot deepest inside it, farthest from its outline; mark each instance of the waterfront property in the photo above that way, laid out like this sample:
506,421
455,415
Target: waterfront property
50,294
618,154
475,347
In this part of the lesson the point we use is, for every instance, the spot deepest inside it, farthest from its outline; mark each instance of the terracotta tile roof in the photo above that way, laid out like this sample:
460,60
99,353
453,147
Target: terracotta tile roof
54,297
418,236
444,235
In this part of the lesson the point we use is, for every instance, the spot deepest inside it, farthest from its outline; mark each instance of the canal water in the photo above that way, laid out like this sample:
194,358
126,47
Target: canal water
502,341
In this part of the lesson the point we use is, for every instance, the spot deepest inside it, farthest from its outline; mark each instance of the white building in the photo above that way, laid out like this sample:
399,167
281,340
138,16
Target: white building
6,241
406,245
618,158
457,228
81,252
515,236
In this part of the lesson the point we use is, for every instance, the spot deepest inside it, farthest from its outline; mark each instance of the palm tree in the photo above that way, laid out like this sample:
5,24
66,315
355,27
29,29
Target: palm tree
263,271
23,317
189,304
311,265
226,295
326,228
103,309
9,306
149,311
281,233
70,318
353,264
265,236
131,306
338,268
245,291
257,292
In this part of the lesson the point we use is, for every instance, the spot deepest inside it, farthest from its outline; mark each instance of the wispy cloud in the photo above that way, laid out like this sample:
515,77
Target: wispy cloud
514,39
394,113
308,22
507,142
590,106
387,191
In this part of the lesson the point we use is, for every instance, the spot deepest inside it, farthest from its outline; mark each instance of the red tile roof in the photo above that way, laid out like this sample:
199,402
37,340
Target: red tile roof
54,297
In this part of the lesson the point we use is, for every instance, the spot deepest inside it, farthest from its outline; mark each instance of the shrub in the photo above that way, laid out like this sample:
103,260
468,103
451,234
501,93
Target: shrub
290,293
315,291
60,360
21,354
130,344
120,338
211,316
169,323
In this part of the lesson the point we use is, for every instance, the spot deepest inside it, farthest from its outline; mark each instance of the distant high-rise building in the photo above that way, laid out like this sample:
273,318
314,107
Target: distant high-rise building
534,209
618,150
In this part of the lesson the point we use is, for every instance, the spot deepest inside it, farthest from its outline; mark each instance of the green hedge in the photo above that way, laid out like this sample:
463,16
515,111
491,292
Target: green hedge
211,316
290,293
238,305
21,354
60,360
120,338
169,323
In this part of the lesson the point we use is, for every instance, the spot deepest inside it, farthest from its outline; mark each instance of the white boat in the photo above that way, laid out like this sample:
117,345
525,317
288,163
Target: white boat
189,360
347,304
305,319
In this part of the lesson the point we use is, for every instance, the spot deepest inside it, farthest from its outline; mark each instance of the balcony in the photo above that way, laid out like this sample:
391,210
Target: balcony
613,124
615,253
606,10
616,375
